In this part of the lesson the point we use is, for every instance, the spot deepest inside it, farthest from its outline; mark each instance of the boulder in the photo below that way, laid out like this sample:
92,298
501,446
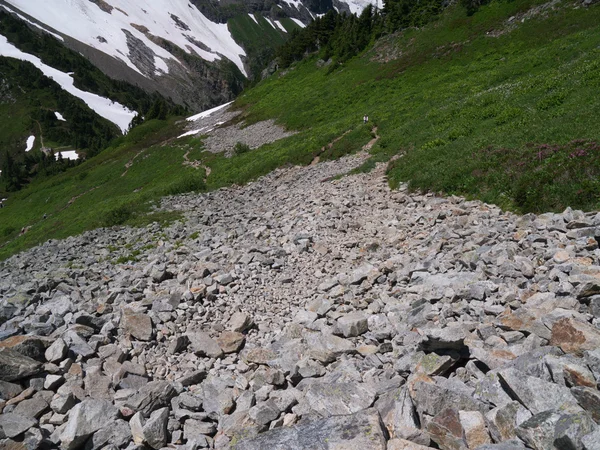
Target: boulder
357,431
15,366
85,419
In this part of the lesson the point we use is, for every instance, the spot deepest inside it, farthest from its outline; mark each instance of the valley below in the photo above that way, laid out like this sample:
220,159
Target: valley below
308,310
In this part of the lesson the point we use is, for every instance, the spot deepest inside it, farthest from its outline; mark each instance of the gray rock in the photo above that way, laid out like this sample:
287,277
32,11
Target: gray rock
571,428
14,366
446,430
155,395
527,391
13,424
358,431
193,378
240,322
591,441
138,325
32,407
399,416
513,444
503,421
264,413
353,324
432,398
588,399
30,346
61,404
231,341
117,434
85,419
9,390
203,345
154,430
333,399
217,397
193,428
449,338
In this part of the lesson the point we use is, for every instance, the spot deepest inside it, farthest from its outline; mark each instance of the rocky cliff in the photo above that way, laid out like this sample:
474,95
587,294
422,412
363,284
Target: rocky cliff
307,311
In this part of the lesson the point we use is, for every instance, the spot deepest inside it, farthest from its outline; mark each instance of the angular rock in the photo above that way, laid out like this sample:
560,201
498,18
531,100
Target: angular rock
240,322
264,413
474,428
85,419
402,444
449,338
503,421
399,416
446,430
574,336
57,351
155,395
591,441
152,432
193,378
231,341
9,390
14,366
138,325
358,431
527,391
333,399
32,407
353,324
588,399
13,424
203,345
31,346
571,428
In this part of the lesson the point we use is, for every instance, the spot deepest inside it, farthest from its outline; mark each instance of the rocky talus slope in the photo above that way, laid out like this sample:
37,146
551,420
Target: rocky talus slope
307,312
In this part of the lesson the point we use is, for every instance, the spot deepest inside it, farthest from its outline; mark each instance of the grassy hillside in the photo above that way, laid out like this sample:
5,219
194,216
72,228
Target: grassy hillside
500,105
501,109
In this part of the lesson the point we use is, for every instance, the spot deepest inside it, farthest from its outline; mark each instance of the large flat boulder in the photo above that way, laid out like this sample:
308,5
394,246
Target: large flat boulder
359,431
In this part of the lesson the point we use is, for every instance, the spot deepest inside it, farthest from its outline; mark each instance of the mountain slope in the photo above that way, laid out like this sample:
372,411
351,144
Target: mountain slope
499,105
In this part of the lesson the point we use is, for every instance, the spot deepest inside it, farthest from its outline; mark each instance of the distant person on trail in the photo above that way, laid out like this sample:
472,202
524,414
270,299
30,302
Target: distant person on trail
365,118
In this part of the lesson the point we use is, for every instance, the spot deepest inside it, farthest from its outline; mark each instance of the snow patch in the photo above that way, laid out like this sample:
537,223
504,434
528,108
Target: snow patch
59,116
207,113
298,22
295,3
281,27
70,154
60,38
253,18
112,111
357,6
174,20
30,142
270,22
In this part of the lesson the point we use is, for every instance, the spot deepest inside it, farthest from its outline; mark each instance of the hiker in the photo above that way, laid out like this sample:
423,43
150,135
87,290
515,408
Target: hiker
366,119
45,215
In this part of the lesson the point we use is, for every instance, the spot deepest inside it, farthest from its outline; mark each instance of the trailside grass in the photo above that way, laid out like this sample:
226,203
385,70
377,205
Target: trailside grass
102,191
470,102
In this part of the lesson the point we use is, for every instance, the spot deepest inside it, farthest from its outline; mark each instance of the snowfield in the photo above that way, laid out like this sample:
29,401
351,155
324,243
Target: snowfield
30,142
112,111
207,113
70,154
59,116
177,21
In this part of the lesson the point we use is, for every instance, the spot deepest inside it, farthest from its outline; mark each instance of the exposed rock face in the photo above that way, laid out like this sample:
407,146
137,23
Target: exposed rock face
300,312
